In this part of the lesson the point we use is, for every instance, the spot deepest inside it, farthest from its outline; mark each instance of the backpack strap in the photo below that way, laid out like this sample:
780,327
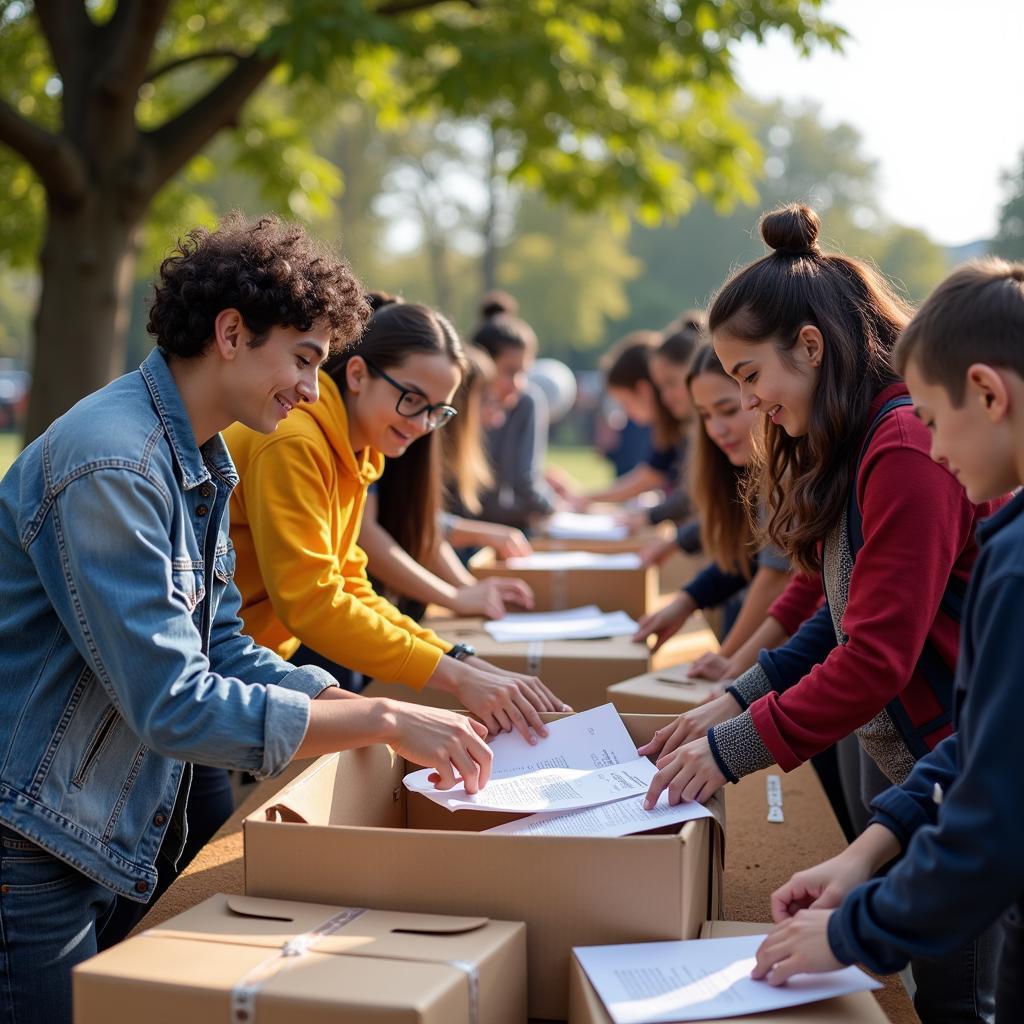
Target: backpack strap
930,665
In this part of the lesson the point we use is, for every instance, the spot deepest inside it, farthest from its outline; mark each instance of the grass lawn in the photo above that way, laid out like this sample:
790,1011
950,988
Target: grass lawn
584,464
10,445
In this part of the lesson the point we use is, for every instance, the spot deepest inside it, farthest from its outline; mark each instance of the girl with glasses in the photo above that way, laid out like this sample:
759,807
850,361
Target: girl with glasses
297,512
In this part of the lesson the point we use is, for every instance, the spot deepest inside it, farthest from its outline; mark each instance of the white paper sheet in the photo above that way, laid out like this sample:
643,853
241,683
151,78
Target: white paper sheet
592,739
584,526
701,979
552,789
554,560
586,623
621,818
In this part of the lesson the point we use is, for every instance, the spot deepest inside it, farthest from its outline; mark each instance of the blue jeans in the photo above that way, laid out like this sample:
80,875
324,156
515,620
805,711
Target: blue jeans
50,917
53,917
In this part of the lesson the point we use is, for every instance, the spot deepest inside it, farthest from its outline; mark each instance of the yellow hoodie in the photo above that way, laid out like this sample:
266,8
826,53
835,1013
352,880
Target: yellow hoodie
295,519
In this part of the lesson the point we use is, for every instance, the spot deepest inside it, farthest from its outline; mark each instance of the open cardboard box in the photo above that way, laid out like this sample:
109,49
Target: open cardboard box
665,691
632,590
577,671
585,1007
347,831
392,967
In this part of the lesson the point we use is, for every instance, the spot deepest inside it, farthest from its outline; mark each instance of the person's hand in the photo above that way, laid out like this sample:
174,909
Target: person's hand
691,725
552,703
797,946
657,553
711,666
634,521
501,701
508,542
666,622
490,597
452,744
821,887
578,502
688,773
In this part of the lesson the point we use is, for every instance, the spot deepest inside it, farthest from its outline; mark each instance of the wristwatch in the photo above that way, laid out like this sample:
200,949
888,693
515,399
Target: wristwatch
461,651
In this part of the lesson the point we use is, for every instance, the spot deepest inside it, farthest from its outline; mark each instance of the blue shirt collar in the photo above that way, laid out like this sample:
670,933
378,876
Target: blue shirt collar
194,464
989,527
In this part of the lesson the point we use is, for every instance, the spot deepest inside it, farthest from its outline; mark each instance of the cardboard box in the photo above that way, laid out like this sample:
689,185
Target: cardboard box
666,691
373,843
585,1007
577,671
391,967
693,640
633,591
634,542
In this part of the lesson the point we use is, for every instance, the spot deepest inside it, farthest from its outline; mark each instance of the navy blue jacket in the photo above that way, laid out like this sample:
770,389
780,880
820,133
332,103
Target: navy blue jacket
958,814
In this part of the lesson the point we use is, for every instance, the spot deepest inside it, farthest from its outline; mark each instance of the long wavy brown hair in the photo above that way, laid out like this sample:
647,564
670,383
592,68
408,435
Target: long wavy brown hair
717,487
805,481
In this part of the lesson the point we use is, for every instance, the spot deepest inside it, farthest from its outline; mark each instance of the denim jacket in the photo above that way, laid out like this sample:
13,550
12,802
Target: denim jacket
121,652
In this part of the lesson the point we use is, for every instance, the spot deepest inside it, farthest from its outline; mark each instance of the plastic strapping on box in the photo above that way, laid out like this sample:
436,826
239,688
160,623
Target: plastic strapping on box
534,654
468,969
774,786
243,995
560,589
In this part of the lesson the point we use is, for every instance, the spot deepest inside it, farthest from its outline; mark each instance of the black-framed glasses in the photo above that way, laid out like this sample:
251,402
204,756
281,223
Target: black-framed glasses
411,404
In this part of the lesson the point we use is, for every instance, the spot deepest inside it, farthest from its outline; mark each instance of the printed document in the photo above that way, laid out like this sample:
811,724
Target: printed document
584,526
574,560
586,623
621,818
579,745
701,979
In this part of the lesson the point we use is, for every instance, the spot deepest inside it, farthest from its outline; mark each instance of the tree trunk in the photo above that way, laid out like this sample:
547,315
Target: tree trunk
87,265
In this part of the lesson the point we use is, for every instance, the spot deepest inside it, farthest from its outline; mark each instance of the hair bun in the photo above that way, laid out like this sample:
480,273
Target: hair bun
496,302
791,230
378,300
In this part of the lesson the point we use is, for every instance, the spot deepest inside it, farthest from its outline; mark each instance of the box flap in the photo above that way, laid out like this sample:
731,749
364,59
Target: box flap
731,929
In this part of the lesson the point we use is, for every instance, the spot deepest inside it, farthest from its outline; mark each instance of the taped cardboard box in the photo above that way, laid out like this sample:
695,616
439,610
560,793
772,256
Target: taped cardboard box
665,691
632,590
240,959
347,831
585,1006
577,671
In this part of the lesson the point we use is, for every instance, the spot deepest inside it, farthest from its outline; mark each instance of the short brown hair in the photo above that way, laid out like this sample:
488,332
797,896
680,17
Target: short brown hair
626,365
271,271
975,316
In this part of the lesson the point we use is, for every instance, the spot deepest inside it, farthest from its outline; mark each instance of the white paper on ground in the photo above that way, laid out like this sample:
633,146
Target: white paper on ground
586,623
592,739
552,789
700,979
574,560
621,818
584,526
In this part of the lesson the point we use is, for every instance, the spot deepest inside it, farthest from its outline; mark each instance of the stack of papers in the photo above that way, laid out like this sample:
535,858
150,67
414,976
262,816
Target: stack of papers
700,979
584,526
587,623
574,560
587,765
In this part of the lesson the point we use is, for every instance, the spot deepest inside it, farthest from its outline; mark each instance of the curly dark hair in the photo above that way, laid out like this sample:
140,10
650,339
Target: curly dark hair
271,271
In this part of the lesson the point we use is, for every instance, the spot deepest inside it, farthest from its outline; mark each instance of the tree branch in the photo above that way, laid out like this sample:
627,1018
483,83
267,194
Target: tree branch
52,157
173,144
131,33
173,65
67,30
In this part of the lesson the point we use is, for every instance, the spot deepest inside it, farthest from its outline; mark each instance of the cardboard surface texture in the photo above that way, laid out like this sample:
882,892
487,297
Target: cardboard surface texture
633,591
663,692
392,967
585,1007
346,831
577,671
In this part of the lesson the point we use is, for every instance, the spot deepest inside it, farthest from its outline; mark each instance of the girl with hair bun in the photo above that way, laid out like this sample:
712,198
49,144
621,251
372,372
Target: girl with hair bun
296,514
517,442
844,469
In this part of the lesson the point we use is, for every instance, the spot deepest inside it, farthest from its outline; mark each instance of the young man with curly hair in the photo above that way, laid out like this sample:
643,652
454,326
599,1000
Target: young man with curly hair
122,659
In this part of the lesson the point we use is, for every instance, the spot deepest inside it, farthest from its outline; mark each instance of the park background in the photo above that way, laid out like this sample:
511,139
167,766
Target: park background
448,148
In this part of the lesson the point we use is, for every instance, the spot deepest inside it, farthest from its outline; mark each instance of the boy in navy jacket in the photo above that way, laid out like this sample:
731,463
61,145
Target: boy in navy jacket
957,818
